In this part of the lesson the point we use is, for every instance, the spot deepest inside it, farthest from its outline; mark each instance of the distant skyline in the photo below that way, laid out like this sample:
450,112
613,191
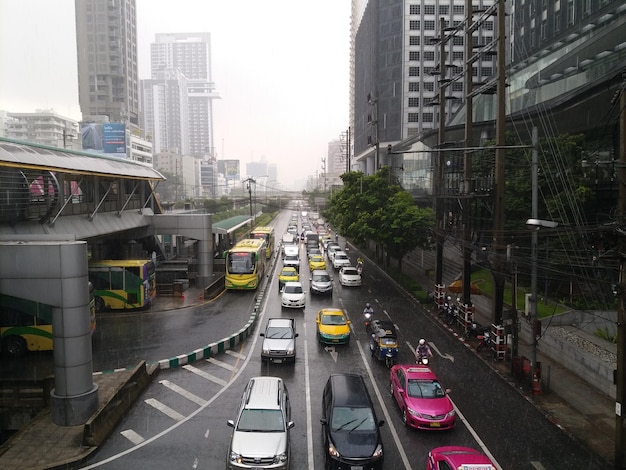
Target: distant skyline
281,68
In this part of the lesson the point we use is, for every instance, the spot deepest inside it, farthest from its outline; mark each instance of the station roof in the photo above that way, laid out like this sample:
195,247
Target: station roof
231,224
18,154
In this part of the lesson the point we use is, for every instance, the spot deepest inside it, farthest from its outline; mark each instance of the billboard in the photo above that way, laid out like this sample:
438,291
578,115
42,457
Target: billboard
107,138
229,168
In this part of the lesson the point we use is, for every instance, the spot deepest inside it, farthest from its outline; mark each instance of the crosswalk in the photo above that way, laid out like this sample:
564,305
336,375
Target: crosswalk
176,389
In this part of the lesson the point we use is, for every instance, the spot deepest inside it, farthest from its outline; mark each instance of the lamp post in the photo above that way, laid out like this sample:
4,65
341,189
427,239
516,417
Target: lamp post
535,225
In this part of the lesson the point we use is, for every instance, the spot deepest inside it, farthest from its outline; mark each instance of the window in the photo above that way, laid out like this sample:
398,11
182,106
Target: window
414,86
457,86
414,102
414,9
414,71
458,9
557,23
427,117
457,55
429,55
414,40
414,25
414,55
486,71
414,117
444,9
429,86
429,9
570,12
458,41
429,25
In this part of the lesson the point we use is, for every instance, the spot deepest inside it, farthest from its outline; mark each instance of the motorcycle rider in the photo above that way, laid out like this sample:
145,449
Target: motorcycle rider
368,315
423,350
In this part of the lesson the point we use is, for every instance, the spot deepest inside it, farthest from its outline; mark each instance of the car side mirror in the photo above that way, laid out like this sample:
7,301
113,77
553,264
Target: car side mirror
381,422
324,422
261,334
297,334
231,423
290,424
400,391
348,322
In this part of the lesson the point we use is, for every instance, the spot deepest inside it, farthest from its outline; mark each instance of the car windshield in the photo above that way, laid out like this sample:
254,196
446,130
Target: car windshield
350,272
293,290
291,257
340,256
333,320
288,272
425,389
261,421
352,419
240,263
279,332
321,278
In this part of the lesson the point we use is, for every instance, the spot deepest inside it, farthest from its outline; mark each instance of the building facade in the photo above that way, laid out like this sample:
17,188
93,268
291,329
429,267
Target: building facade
43,127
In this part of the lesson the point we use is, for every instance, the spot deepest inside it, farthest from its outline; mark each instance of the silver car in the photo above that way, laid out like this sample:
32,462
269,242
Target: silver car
320,282
260,439
279,343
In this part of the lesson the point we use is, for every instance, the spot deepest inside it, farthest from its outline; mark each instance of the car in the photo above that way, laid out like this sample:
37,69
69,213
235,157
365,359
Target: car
453,457
292,249
287,274
332,326
349,276
293,295
317,262
279,340
351,431
331,250
340,259
313,251
320,282
423,402
292,261
261,435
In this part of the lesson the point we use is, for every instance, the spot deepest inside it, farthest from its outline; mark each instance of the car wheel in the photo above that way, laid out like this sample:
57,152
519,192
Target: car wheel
390,389
99,304
404,417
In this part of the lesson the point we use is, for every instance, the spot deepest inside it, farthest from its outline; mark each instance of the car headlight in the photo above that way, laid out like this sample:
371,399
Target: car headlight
280,458
266,351
235,457
451,414
290,351
415,413
333,452
378,453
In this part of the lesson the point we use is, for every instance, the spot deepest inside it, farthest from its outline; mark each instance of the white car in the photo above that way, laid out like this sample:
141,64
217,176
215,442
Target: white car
293,295
340,259
349,276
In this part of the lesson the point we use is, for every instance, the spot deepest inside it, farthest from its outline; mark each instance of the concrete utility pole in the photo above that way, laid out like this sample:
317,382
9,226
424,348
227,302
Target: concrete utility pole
249,181
620,398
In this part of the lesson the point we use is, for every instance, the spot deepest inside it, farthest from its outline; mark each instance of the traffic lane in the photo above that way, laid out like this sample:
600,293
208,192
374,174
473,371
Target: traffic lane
512,428
122,339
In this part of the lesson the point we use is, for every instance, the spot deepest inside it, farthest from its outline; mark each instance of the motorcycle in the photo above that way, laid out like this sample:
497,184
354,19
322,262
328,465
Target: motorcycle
368,316
483,340
475,330
422,360
384,343
359,267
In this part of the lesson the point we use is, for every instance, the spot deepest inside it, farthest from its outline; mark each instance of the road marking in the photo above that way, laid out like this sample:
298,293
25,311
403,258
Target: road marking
445,356
132,436
182,392
222,364
537,465
309,421
392,428
230,352
166,410
334,354
205,375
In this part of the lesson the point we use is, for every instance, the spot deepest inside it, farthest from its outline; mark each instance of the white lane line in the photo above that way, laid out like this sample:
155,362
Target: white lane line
203,374
182,392
230,352
222,364
166,410
309,420
477,438
132,436
537,465
392,428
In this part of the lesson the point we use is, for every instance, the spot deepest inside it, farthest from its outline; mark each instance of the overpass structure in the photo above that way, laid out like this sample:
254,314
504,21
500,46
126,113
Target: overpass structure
58,210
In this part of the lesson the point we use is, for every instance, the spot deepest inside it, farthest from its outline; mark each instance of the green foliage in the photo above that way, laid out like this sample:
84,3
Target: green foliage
606,335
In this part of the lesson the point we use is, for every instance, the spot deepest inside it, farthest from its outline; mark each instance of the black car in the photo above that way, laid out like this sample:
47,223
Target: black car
349,425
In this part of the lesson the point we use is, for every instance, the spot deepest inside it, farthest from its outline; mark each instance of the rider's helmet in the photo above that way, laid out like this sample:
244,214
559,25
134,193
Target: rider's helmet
367,305
422,342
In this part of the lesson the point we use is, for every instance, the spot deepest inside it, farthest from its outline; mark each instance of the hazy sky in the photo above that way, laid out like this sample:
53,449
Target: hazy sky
280,66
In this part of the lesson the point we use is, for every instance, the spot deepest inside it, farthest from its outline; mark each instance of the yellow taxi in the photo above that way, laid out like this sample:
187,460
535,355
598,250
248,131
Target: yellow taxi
332,326
317,262
287,274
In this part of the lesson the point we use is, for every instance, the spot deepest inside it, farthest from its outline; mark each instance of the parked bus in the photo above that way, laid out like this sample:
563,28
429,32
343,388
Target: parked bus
123,284
26,325
245,264
267,234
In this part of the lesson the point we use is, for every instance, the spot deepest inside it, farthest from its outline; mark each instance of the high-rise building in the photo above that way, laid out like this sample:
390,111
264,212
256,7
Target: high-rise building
106,44
190,53
43,127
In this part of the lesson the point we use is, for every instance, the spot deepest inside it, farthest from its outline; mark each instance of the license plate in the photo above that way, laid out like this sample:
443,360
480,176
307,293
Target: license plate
278,361
356,467
336,341
435,425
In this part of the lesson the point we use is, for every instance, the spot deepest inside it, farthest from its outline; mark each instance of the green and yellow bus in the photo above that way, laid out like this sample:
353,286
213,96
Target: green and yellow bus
245,264
123,284
265,233
26,325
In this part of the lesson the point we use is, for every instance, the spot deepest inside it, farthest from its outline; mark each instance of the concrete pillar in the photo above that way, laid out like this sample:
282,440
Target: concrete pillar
55,273
205,262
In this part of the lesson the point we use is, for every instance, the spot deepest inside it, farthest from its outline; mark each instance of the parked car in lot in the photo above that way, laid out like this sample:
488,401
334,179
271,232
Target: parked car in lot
261,431
454,457
349,276
279,343
332,326
423,402
320,282
317,262
340,259
351,431
287,274
293,295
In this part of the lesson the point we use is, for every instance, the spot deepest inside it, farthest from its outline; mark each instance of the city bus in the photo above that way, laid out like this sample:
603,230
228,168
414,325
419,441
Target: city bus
123,284
245,264
26,325
267,234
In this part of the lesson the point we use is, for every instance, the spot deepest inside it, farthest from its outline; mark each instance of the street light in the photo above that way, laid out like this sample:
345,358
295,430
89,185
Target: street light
535,225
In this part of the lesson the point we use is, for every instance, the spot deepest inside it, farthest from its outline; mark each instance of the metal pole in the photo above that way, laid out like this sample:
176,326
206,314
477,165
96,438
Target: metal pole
438,159
533,255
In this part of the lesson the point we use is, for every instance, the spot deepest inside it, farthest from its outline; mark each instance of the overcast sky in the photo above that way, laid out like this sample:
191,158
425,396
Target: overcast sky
280,66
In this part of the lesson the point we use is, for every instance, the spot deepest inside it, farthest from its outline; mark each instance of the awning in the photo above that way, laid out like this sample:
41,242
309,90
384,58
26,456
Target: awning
457,287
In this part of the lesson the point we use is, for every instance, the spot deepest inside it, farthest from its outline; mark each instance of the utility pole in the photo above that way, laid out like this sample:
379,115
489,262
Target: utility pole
620,398
249,181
